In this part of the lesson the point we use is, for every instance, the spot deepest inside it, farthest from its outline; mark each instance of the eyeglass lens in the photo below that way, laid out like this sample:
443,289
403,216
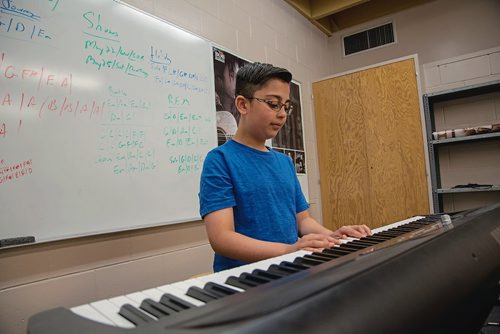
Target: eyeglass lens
276,106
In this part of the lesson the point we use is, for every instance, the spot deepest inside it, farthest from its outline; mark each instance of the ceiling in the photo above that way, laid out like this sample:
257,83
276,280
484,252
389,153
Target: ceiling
334,15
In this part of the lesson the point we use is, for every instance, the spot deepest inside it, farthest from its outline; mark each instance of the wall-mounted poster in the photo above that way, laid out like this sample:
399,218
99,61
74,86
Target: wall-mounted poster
290,139
226,66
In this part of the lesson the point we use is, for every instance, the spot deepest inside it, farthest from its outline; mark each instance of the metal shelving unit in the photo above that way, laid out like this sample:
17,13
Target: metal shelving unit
433,145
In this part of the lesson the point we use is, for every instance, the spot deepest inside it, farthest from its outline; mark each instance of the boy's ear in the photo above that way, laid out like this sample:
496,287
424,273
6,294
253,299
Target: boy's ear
241,104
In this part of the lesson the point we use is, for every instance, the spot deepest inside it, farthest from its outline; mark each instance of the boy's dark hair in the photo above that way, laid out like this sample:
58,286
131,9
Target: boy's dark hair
252,76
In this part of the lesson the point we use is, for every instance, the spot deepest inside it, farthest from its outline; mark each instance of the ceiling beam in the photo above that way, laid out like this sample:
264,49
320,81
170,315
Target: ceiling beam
326,25
302,6
334,15
323,8
372,10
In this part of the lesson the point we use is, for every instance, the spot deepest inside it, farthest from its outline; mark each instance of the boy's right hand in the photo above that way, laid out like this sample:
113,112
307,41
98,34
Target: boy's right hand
315,242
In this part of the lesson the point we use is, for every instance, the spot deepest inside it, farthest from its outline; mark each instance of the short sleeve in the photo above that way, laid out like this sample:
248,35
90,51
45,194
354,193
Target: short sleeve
216,188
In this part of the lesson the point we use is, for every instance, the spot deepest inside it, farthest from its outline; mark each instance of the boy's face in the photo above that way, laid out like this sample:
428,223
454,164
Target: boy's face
264,122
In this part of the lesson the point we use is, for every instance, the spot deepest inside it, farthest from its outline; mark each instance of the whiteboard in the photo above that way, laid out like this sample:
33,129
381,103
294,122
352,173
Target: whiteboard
106,115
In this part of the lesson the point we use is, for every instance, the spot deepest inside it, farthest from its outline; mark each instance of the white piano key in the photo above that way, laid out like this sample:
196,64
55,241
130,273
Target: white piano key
121,300
239,270
91,313
182,285
110,311
137,297
347,239
154,294
194,282
291,256
244,269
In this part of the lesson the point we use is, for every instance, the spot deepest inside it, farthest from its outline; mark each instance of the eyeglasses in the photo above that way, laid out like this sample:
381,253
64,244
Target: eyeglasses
275,105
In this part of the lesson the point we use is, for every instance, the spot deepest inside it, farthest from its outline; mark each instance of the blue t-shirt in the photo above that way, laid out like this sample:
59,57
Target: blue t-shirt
261,187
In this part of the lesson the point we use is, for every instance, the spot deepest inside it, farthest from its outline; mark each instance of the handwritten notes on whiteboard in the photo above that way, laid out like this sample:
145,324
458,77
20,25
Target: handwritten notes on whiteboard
106,115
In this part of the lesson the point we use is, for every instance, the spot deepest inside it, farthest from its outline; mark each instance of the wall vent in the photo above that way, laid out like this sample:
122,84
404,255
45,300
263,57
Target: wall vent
369,39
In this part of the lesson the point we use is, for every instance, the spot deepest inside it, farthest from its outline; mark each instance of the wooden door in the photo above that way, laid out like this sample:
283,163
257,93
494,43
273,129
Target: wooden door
370,146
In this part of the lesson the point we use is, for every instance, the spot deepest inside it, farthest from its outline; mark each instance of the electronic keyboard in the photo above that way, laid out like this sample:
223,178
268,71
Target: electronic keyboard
425,274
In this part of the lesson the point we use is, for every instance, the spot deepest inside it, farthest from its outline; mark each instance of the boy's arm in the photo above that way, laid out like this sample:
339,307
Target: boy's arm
227,242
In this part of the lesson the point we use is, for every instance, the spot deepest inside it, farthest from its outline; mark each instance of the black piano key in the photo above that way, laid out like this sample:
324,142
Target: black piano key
134,315
391,234
359,244
155,308
423,222
255,278
371,242
364,243
343,249
281,270
401,232
429,219
387,233
318,257
293,265
413,228
175,303
373,238
268,274
219,289
376,237
416,225
326,254
214,292
404,229
336,251
379,236
350,247
240,282
200,294
307,262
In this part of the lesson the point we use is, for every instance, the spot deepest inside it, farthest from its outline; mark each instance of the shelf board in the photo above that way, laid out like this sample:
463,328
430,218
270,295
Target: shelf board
466,91
465,138
467,190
